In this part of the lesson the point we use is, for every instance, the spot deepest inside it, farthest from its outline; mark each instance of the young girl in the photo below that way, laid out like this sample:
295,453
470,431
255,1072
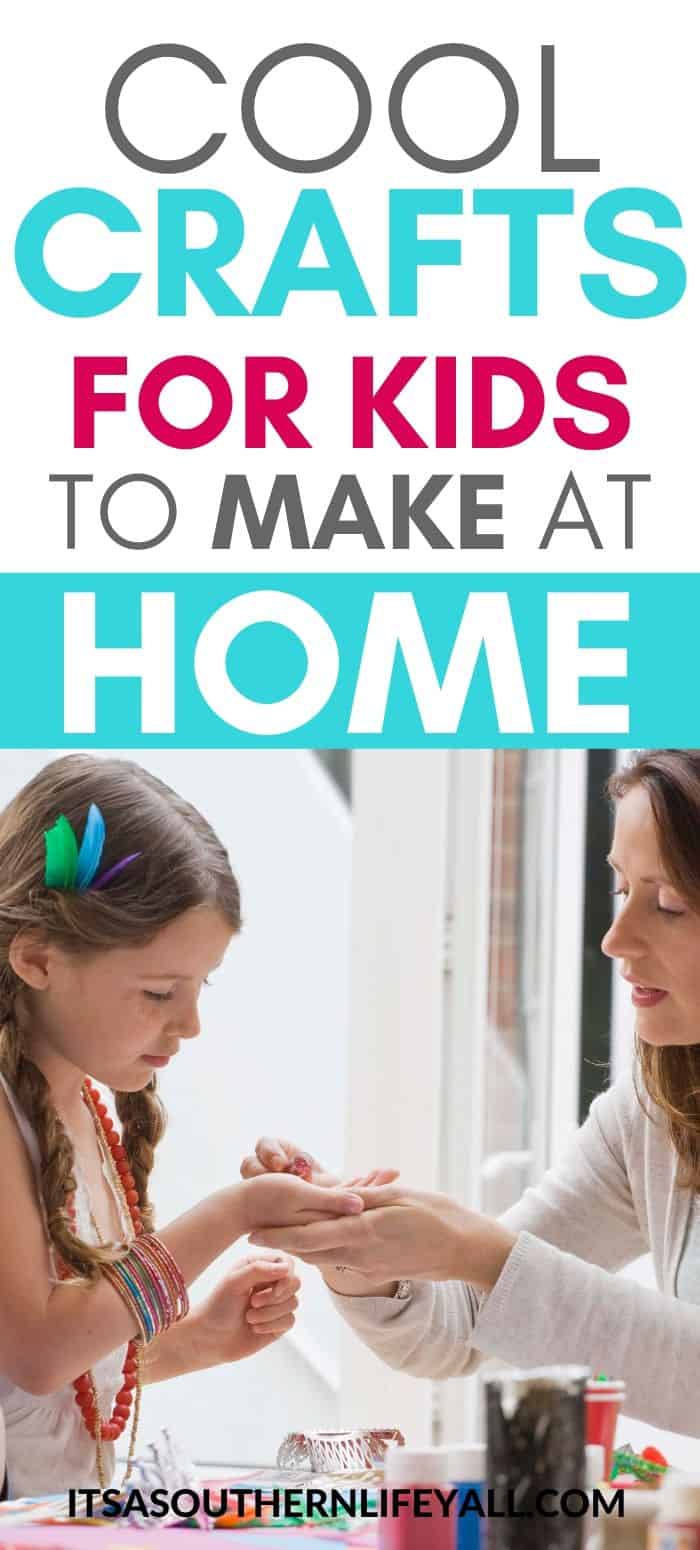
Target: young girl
536,1287
116,903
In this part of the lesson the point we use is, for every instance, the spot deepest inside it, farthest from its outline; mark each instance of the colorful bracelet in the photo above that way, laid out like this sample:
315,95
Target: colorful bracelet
149,1282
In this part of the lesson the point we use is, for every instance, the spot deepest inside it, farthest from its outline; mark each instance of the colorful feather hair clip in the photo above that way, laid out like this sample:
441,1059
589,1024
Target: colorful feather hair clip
70,867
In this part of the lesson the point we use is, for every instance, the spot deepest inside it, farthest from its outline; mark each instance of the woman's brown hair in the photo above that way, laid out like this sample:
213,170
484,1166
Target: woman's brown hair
182,865
671,1074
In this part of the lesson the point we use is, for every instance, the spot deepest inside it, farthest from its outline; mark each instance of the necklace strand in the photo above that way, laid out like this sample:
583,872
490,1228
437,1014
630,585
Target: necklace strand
86,1396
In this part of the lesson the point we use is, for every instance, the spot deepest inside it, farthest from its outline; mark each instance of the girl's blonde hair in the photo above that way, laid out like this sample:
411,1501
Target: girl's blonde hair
182,865
671,1073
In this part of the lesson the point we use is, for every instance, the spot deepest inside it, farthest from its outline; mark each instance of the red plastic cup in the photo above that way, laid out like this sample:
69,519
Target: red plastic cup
604,1399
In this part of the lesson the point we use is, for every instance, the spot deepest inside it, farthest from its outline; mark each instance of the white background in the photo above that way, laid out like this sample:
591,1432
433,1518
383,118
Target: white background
625,93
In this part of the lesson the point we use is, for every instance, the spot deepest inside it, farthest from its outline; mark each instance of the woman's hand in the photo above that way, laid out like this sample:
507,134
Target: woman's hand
274,1155
401,1233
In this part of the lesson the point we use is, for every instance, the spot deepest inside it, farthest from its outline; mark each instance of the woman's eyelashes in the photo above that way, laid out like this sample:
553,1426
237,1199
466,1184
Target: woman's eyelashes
661,909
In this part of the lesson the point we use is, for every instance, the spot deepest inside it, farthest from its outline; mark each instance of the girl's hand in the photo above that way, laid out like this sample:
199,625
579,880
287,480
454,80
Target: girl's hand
253,1305
275,1155
283,1201
402,1233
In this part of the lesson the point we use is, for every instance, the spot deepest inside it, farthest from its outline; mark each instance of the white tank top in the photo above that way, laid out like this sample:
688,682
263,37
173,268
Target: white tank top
48,1447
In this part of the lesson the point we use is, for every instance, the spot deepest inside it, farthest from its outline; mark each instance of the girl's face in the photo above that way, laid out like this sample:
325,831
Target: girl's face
656,935
119,1015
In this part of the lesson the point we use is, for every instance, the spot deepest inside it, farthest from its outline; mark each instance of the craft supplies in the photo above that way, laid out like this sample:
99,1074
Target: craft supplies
629,1531
535,1424
293,1451
604,1400
338,1452
416,1519
595,1466
677,1524
300,1166
650,1466
467,1466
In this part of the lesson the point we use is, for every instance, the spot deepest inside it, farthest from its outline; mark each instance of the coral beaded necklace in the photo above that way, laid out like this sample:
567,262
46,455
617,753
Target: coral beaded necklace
85,1389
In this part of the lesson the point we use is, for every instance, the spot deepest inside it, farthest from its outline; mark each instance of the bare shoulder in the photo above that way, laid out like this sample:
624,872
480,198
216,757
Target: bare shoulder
14,1152
24,1263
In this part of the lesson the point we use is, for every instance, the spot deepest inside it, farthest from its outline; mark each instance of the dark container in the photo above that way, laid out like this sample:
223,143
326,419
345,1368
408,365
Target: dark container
536,1459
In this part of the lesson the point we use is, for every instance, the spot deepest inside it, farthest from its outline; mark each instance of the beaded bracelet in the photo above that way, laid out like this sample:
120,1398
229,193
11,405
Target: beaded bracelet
149,1282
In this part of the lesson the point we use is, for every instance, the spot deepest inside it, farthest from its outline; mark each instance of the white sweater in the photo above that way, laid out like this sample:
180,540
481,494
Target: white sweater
612,1199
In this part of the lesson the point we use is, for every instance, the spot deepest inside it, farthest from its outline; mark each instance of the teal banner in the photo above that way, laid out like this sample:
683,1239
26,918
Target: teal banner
210,661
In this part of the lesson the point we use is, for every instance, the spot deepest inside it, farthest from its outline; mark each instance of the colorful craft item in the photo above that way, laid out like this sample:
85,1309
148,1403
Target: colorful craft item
301,1167
71,868
653,1456
604,1401
649,1466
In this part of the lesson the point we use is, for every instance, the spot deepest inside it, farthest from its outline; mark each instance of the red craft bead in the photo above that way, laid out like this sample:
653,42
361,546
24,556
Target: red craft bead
108,1431
107,1123
132,1197
128,1180
122,1413
129,1380
122,1166
82,1384
130,1367
118,1151
124,1397
101,1108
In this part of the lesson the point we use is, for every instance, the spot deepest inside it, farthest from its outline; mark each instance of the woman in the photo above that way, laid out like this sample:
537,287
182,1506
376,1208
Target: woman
434,1288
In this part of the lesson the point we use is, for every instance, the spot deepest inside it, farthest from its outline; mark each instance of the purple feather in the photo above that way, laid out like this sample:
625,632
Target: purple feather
113,871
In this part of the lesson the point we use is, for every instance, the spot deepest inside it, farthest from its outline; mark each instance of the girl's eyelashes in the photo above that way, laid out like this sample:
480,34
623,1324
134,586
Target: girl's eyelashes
166,995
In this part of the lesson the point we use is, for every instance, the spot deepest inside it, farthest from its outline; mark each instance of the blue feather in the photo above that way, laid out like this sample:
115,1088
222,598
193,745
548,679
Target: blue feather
91,847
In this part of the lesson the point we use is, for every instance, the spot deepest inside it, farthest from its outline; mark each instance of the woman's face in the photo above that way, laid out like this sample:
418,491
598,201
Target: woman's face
656,935
121,1014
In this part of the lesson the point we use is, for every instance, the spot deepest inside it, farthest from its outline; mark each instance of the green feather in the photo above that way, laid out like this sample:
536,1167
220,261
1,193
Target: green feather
61,855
